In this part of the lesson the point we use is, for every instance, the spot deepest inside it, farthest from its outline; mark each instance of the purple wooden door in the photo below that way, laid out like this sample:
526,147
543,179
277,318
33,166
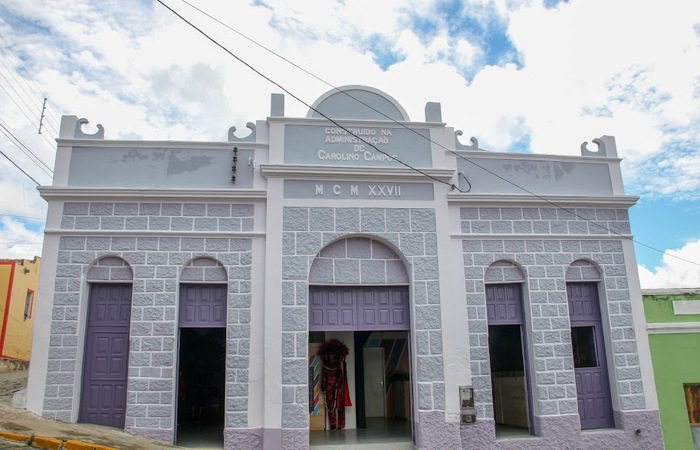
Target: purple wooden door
347,308
103,396
332,309
504,305
590,365
383,309
202,306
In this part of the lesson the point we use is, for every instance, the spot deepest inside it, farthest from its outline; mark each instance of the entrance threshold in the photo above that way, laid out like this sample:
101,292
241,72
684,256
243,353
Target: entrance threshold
380,434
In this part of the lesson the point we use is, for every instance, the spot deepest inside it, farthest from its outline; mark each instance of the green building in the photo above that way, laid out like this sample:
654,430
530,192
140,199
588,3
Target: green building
673,324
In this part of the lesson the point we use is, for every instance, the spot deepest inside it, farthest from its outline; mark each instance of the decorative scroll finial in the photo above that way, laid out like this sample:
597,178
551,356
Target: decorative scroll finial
599,152
460,146
606,147
250,138
99,134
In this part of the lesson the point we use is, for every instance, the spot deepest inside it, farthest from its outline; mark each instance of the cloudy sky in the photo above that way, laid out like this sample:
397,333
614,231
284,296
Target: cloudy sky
536,76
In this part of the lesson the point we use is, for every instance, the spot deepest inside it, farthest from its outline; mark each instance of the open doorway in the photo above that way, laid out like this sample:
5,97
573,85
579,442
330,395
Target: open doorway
507,355
383,371
508,380
201,387
378,372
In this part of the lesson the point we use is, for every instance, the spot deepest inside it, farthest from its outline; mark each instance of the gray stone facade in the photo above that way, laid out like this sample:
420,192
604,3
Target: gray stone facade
302,205
158,263
548,261
412,232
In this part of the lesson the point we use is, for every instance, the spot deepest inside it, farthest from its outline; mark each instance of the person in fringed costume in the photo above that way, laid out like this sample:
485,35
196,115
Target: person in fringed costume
334,381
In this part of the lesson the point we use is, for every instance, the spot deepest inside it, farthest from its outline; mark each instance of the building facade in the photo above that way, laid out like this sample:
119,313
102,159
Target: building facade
19,279
673,324
492,297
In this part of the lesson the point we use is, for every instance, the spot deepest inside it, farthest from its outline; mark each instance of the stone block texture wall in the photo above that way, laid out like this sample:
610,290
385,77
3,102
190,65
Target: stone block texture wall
358,261
540,247
412,231
141,235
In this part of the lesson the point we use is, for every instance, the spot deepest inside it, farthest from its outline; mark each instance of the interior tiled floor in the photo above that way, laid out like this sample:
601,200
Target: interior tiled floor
380,434
201,436
510,432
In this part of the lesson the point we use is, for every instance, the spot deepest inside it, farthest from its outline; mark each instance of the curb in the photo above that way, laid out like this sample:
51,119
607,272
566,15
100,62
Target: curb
49,443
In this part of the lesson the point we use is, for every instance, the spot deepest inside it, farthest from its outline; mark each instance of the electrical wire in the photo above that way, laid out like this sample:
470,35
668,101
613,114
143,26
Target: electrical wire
453,186
56,114
25,115
27,151
30,107
33,108
22,170
15,143
456,154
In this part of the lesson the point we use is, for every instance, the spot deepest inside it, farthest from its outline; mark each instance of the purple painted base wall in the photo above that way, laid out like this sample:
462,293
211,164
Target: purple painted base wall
154,434
558,432
288,439
243,439
432,432
294,439
478,436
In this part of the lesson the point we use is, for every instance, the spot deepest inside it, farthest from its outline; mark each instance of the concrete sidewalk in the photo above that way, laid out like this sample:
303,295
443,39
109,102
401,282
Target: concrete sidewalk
20,428
28,440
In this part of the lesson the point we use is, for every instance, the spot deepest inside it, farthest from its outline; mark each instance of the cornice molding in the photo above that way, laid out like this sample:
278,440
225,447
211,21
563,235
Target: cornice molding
544,237
154,233
72,193
503,200
673,327
319,121
225,145
376,174
487,154
671,291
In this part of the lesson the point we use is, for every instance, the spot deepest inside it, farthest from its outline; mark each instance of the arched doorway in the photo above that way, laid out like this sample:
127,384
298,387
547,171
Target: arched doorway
507,334
106,357
588,346
358,295
201,381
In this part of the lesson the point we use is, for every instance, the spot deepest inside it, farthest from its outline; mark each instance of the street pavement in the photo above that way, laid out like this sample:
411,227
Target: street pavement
25,422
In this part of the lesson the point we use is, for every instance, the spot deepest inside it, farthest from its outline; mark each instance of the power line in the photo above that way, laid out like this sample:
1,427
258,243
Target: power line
17,144
460,156
24,148
302,101
25,115
395,121
33,108
14,77
22,170
17,104
29,75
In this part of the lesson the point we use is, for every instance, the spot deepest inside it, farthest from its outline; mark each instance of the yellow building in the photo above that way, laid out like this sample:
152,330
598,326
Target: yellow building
19,279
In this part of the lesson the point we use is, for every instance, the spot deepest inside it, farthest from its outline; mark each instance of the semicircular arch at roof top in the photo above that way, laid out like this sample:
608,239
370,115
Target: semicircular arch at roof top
358,103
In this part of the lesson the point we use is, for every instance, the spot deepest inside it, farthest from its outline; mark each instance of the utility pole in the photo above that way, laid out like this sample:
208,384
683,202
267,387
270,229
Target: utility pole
41,119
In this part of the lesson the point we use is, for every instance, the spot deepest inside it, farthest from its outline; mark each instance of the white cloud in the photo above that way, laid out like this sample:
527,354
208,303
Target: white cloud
17,240
675,270
630,69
